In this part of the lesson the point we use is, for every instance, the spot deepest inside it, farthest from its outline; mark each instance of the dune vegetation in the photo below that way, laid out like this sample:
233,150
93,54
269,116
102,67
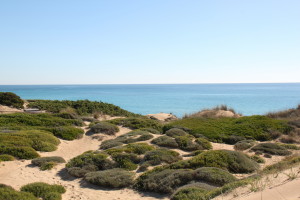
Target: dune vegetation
197,157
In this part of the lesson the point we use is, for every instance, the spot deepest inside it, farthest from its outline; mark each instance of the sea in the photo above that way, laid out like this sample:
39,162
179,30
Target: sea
178,99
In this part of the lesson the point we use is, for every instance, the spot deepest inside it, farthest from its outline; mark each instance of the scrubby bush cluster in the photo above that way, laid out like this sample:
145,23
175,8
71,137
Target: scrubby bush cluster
168,180
11,99
137,123
81,107
178,138
104,127
24,144
44,191
131,137
271,148
47,163
244,145
32,191
220,129
60,127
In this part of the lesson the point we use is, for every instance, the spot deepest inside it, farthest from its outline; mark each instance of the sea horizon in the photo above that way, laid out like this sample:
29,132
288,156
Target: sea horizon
178,99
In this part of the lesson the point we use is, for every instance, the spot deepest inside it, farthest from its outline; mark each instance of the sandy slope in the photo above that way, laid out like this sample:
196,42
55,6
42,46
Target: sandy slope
18,173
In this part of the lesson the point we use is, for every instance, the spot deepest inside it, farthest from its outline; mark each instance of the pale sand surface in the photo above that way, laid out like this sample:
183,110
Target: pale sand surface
19,173
163,116
8,110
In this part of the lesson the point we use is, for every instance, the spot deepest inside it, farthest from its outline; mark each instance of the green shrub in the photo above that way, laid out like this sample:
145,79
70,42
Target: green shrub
186,143
137,123
165,141
251,127
87,162
286,163
113,178
11,99
290,146
160,156
257,159
138,148
204,143
22,144
44,190
105,127
151,130
188,193
271,148
11,194
167,180
126,161
46,163
82,107
107,144
244,145
6,157
174,132
67,132
233,161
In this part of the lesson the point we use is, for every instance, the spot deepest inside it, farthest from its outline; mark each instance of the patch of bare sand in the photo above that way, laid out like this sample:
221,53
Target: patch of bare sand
164,117
221,146
18,173
8,110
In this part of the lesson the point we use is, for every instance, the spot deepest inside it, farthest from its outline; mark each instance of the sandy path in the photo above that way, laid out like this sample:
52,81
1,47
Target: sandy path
18,173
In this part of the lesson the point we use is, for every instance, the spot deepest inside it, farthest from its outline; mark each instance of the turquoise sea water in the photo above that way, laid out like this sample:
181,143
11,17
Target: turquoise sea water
178,99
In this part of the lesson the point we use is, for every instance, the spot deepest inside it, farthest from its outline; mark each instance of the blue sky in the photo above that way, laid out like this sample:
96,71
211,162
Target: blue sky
153,41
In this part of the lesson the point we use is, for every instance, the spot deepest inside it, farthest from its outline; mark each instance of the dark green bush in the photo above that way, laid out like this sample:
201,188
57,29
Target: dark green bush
252,127
244,145
19,152
167,180
128,161
107,144
137,123
82,107
174,132
257,159
44,190
204,143
11,194
105,127
138,148
233,161
46,163
87,162
6,157
113,178
67,132
11,99
186,143
165,141
151,130
160,156
271,148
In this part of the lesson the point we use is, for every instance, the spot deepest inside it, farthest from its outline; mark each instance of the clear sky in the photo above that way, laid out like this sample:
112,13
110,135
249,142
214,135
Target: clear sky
149,41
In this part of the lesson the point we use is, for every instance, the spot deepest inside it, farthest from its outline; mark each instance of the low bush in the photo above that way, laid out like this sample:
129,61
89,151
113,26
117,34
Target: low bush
220,129
174,132
204,143
128,161
244,145
44,190
137,123
46,163
233,161
151,130
290,146
167,180
186,143
165,141
286,163
138,148
271,148
67,132
6,157
81,107
257,159
107,144
113,178
88,162
105,127
11,194
24,144
160,156
11,99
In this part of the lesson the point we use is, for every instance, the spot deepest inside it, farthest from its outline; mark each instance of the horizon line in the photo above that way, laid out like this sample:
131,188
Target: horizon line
148,83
